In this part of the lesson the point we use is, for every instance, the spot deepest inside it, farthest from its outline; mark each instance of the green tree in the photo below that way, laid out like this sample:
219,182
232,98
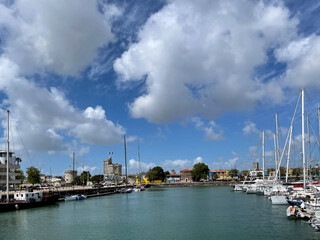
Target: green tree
77,181
84,177
155,173
33,175
215,177
166,173
96,178
283,171
244,173
297,172
233,172
21,175
200,171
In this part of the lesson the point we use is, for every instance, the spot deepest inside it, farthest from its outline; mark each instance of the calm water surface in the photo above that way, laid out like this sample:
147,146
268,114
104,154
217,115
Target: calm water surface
172,213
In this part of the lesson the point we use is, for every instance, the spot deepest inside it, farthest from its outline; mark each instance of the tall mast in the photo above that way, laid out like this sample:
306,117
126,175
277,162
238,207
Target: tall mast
8,112
309,149
277,142
73,157
303,138
139,163
288,156
125,157
263,155
275,155
319,120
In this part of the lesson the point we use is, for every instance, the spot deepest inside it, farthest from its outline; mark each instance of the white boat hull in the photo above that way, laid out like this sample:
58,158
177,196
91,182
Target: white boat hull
279,200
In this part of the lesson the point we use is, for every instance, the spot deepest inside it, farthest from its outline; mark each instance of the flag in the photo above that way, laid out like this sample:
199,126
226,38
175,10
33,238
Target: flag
111,153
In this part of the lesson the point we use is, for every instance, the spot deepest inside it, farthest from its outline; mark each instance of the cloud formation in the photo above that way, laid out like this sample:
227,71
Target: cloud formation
250,128
212,131
134,166
199,57
58,36
42,117
303,66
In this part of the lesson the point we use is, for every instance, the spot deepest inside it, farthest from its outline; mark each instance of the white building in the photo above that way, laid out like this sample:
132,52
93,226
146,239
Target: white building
13,166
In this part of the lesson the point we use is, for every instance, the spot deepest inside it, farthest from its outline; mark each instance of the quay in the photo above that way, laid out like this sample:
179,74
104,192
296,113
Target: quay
62,192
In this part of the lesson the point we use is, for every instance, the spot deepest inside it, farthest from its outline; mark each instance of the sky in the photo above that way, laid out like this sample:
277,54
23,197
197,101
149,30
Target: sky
189,81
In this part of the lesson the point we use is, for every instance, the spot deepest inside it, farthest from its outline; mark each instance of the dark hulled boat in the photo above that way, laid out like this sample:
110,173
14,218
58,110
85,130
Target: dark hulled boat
25,200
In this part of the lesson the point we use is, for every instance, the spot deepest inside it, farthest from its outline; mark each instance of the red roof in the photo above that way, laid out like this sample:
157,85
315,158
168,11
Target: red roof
186,170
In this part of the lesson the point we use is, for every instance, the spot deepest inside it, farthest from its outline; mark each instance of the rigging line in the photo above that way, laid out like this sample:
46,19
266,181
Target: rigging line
254,155
24,146
317,141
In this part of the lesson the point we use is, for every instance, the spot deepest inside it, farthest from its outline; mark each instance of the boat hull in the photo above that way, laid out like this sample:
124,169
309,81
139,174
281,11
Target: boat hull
279,200
20,205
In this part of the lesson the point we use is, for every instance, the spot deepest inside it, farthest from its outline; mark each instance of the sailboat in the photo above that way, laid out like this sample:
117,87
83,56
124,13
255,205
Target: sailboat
139,187
23,200
279,194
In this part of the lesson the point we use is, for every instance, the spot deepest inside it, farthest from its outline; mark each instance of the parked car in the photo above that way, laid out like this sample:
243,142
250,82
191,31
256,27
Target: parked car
107,183
97,185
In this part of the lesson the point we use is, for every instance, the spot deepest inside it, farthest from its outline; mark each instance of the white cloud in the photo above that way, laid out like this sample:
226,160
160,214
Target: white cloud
198,160
60,36
235,154
250,128
94,170
180,164
199,57
212,131
177,165
222,164
42,116
302,57
134,166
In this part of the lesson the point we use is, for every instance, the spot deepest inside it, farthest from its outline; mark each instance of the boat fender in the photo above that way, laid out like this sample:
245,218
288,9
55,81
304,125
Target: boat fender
16,206
292,209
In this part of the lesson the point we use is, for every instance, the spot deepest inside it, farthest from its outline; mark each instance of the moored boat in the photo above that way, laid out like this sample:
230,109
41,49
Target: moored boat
24,200
75,197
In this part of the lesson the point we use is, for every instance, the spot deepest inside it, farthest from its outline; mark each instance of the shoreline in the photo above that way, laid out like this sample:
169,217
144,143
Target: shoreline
193,184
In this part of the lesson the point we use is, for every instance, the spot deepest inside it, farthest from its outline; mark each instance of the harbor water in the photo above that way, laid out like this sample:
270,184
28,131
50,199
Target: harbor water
169,213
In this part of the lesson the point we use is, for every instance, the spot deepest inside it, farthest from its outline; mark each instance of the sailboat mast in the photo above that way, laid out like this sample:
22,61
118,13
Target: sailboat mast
8,112
288,156
139,163
263,155
303,138
309,149
319,120
73,157
277,143
275,156
125,156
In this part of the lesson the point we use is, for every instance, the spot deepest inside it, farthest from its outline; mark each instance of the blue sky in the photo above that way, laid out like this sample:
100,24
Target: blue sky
191,81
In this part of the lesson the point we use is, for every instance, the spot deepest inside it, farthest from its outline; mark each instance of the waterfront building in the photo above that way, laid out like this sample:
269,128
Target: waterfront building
186,175
70,175
221,174
13,166
111,171
173,177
